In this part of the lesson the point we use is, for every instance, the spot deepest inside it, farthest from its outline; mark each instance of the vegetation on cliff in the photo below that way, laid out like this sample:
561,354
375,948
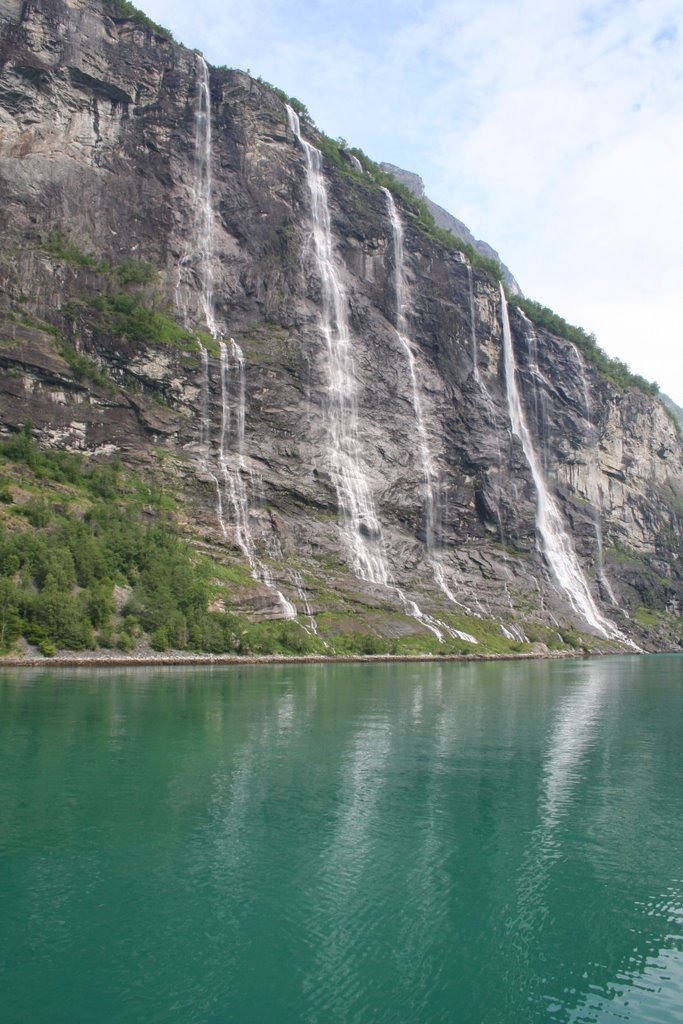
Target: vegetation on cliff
94,347
613,370
91,557
125,9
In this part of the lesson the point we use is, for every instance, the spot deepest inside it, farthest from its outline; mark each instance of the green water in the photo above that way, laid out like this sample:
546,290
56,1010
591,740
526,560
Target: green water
462,843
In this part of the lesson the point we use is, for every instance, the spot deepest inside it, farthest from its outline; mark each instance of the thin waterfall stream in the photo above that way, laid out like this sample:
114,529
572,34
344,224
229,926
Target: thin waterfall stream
594,494
430,484
430,489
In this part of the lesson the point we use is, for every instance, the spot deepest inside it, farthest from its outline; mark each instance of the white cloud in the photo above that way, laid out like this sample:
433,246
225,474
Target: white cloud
554,128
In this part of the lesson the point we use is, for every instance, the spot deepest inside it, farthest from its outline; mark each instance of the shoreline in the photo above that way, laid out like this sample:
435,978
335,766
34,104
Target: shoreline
218,660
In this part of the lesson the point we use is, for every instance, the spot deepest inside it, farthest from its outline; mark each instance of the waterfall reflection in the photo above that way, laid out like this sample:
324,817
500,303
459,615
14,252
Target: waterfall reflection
342,917
570,740
428,885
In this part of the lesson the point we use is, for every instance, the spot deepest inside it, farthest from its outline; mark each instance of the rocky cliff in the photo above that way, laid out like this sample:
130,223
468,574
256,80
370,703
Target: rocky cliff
448,222
322,388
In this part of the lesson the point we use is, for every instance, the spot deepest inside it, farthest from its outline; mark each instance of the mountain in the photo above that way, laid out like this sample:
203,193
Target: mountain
279,409
448,222
675,409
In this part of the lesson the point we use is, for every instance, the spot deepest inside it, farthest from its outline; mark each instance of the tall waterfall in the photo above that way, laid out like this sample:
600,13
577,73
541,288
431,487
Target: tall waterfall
233,470
362,529
196,266
430,481
230,480
557,545
426,458
473,329
594,494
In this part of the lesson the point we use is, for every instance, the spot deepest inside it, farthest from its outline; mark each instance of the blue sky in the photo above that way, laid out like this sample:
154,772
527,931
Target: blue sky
553,129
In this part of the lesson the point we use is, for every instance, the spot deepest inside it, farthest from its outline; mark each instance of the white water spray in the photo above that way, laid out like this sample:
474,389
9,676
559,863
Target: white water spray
430,485
196,266
362,529
594,495
557,545
426,458
233,470
230,482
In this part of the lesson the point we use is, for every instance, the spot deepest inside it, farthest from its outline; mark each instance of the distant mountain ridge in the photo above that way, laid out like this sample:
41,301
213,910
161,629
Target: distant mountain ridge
675,409
448,222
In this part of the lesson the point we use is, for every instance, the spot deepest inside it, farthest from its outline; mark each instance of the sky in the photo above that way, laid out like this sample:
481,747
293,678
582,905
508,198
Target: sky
552,128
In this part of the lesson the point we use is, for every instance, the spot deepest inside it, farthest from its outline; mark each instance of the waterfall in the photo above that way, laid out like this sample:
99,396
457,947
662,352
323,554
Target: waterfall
204,207
362,529
232,473
233,469
312,627
230,481
473,329
426,458
556,543
430,485
196,266
593,489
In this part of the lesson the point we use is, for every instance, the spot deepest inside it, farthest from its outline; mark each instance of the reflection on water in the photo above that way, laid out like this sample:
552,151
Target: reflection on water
390,843
565,764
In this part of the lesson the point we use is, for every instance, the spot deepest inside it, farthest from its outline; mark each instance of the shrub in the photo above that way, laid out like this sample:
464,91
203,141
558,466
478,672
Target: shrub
125,9
613,369
124,315
131,271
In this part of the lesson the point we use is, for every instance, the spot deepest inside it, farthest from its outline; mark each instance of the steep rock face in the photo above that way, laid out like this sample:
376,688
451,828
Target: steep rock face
100,162
448,222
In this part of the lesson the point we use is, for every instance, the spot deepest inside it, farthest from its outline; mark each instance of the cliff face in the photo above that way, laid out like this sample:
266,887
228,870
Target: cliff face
444,219
273,438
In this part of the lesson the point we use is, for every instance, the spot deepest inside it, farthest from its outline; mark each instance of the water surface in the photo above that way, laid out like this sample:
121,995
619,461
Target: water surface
407,844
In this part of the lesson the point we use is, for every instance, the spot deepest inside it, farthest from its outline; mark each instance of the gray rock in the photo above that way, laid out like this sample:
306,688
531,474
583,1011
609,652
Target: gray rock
448,222
97,142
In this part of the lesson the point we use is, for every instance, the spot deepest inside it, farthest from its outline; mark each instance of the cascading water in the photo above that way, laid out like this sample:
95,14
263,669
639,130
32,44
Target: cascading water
556,543
431,493
235,477
200,263
362,529
426,458
594,495
196,266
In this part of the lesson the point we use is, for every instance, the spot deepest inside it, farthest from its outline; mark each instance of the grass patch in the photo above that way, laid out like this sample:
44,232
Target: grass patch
82,367
61,246
647,618
126,317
